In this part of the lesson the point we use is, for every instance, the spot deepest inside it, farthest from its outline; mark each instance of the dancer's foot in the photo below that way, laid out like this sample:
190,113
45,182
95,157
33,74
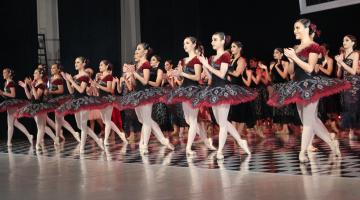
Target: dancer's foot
38,146
302,157
209,144
243,144
101,144
311,148
31,139
190,152
56,141
9,144
167,143
219,155
77,136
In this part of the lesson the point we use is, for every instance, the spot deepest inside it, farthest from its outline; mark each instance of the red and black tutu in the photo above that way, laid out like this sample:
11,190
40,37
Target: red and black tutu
306,91
223,94
140,98
36,108
12,103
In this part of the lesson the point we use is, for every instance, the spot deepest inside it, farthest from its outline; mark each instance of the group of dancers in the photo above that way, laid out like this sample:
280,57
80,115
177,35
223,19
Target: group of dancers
224,85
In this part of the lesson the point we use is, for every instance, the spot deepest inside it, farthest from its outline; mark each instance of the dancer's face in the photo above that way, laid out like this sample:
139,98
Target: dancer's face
277,54
348,43
253,63
102,67
154,62
54,70
300,31
6,74
140,52
37,75
235,49
216,42
188,45
79,64
168,66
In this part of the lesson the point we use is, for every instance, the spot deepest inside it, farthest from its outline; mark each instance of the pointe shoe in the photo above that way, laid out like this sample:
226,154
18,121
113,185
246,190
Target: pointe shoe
77,136
38,146
209,145
56,141
144,149
311,148
335,148
31,139
219,155
303,158
168,144
101,144
243,144
190,152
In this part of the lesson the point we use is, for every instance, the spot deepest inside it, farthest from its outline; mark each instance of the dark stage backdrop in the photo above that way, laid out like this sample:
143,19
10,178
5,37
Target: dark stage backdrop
260,25
90,29
18,36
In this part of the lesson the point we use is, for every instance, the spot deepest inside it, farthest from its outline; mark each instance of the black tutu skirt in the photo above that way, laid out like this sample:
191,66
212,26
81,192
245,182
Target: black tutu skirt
225,94
182,94
36,108
306,91
60,99
139,98
77,104
12,103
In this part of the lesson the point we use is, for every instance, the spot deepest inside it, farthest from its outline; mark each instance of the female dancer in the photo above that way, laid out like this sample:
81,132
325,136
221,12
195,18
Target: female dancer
56,94
220,95
80,103
143,97
347,66
11,104
187,91
38,108
160,112
306,89
279,73
105,90
131,125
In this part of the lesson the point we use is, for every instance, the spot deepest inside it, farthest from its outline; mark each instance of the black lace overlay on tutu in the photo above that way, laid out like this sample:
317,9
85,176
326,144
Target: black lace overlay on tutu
306,87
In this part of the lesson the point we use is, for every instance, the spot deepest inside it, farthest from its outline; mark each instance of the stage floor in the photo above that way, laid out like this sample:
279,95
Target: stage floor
271,172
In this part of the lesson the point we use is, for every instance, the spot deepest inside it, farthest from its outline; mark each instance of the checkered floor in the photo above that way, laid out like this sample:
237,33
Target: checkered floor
278,154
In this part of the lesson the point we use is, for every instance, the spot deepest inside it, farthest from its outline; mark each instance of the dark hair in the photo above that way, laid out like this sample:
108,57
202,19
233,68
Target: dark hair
147,47
84,60
169,61
353,39
194,41
10,71
42,72
312,27
281,50
222,36
58,66
158,58
108,63
238,44
201,49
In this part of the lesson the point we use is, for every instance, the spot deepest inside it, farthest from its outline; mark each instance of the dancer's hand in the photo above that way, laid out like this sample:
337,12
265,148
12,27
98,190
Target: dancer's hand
339,58
68,77
203,60
22,84
290,53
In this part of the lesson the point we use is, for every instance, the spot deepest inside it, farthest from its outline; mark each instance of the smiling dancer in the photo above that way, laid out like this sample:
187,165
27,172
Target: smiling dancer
306,89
